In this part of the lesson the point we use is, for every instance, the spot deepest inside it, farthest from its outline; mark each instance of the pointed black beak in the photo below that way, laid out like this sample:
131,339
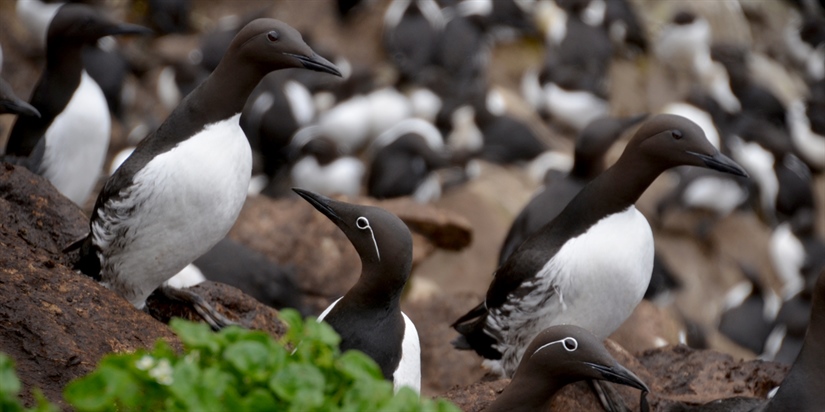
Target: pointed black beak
317,63
619,374
126,28
722,163
18,106
320,202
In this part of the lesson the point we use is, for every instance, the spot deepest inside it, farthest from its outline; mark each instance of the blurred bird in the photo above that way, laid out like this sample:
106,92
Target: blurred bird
68,143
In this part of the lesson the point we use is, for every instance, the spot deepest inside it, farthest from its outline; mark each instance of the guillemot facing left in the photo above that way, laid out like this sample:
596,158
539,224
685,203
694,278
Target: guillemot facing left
72,135
558,356
368,317
182,188
591,265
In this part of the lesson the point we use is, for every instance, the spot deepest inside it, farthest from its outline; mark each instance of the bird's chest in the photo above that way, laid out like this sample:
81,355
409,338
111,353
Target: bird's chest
184,200
77,140
599,277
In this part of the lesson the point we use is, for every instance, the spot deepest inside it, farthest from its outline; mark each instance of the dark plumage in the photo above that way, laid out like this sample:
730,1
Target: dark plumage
536,287
183,186
368,317
558,356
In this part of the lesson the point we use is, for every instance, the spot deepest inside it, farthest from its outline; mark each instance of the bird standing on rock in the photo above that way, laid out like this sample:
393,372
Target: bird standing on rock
591,265
368,317
182,188
67,144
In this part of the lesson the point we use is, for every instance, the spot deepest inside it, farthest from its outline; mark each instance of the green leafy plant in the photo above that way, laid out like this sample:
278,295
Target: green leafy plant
243,370
10,389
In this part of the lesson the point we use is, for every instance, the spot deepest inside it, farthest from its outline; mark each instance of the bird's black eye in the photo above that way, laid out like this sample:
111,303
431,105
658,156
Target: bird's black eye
677,134
570,344
273,36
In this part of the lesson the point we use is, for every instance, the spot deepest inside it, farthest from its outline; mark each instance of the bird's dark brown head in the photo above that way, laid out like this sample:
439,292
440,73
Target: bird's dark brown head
668,140
272,44
381,239
568,353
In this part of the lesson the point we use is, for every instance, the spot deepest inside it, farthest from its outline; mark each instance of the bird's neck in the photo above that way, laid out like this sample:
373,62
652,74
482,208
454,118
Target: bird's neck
378,287
586,167
625,181
797,391
224,93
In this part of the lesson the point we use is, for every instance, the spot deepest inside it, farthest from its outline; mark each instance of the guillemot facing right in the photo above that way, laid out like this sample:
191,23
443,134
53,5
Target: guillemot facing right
591,265
182,188
558,356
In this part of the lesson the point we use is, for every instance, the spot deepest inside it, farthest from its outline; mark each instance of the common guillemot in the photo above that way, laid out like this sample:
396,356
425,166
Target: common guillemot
558,356
368,317
588,162
74,129
591,265
182,188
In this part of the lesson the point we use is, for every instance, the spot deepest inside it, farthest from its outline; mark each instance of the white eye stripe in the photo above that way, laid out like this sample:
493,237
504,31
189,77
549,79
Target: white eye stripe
364,223
569,344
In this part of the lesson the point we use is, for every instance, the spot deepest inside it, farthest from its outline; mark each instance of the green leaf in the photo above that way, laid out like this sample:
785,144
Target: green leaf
357,365
9,384
260,400
102,390
195,335
253,361
300,383
406,400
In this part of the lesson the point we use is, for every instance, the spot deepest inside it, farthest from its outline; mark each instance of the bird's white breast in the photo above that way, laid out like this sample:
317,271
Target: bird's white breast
77,141
594,281
408,372
185,201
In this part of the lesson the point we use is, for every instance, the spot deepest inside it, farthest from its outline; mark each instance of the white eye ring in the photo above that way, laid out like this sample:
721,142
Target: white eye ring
574,344
569,344
363,224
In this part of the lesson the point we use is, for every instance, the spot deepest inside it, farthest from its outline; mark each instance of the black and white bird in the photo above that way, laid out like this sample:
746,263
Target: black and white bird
67,144
588,162
182,188
410,36
558,356
591,265
404,159
368,317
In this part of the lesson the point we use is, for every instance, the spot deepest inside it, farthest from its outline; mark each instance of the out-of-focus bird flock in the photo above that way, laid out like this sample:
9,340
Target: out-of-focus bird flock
499,110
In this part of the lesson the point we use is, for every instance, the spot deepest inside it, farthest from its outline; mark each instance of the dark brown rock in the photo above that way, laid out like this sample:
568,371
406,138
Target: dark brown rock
54,323
685,375
57,324
229,301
